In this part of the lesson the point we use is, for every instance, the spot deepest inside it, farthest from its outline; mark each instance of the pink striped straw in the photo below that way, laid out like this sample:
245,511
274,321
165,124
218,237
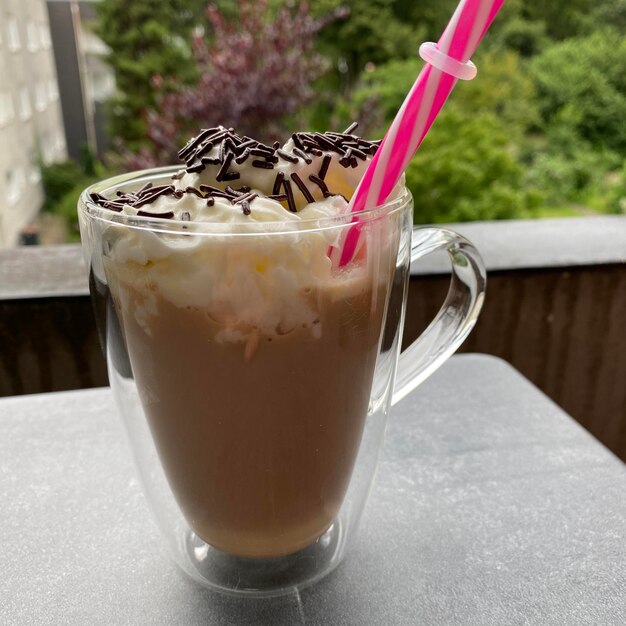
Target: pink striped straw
458,43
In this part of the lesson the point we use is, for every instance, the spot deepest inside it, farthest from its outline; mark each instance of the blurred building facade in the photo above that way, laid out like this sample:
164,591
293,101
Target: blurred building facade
53,88
85,81
31,126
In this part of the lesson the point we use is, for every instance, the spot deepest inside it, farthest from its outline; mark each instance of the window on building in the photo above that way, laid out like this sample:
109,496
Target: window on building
7,113
32,36
40,96
103,84
13,33
34,175
15,184
24,108
53,90
59,145
44,36
47,149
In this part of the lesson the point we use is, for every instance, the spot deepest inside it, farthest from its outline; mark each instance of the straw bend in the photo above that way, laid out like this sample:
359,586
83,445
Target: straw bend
444,62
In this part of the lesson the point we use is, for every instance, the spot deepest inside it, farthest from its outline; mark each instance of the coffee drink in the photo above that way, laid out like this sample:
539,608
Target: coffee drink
252,351
257,439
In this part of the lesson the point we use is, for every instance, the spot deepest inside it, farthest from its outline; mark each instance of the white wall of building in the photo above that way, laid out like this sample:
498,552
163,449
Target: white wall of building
31,127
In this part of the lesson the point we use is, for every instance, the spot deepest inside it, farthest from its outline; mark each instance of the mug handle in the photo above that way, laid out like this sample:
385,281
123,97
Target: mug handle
457,316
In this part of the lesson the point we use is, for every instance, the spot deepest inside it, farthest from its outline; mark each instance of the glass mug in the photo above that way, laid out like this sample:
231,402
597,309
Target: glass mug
255,381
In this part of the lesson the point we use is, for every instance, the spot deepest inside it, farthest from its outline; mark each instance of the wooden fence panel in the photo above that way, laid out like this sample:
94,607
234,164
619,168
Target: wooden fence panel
564,329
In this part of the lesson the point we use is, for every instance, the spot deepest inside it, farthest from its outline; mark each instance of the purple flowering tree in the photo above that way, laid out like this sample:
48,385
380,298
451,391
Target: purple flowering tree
253,72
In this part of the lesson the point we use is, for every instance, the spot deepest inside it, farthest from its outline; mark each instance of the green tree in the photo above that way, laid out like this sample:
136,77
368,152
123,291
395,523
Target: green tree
504,88
561,19
466,170
375,31
581,84
63,183
147,39
517,33
57,179
611,13
616,197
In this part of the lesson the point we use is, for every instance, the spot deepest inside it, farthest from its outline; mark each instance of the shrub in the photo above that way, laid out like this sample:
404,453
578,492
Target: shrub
466,170
504,89
581,84
63,183
57,179
375,31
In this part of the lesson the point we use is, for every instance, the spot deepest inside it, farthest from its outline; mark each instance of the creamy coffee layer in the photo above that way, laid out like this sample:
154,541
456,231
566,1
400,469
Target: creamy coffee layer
258,442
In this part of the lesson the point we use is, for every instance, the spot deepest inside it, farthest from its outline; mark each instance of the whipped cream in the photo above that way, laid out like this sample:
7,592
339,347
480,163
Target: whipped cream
339,180
246,282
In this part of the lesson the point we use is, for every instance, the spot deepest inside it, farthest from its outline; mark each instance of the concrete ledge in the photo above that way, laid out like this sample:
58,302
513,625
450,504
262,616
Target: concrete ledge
528,244
554,310
42,272
47,271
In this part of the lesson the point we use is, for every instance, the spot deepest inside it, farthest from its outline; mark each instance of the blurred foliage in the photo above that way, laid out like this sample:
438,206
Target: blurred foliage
376,31
616,197
611,12
252,73
540,131
561,19
57,179
468,167
63,183
505,89
146,38
581,86
464,173
569,168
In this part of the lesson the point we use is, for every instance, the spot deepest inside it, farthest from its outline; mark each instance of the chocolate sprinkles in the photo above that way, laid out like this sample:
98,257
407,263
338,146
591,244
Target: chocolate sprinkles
296,140
195,142
219,177
113,206
223,148
146,187
282,197
262,151
168,215
243,156
286,156
248,197
321,184
305,157
278,183
302,187
194,191
152,194
325,165
246,144
290,200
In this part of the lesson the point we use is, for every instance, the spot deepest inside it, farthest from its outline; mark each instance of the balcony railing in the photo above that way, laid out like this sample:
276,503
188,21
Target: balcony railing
555,309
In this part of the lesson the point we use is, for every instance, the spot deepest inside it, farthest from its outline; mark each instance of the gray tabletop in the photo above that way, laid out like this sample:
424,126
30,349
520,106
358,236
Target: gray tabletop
491,506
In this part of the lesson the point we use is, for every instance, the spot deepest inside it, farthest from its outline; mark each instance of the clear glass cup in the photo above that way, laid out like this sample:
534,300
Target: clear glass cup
255,381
